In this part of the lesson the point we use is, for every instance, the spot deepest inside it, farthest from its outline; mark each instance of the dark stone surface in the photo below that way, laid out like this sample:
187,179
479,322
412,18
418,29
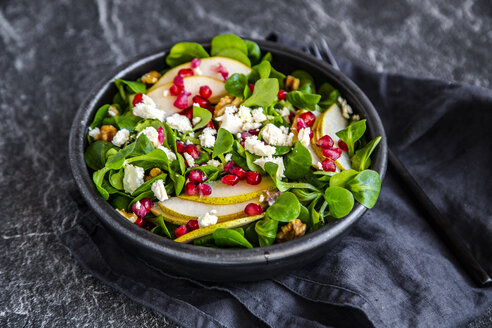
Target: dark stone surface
52,53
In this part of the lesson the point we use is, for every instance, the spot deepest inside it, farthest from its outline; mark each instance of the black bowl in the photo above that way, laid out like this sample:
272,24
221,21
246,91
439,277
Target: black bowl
221,264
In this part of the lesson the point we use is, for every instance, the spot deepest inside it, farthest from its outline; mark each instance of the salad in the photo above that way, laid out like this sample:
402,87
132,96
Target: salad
222,150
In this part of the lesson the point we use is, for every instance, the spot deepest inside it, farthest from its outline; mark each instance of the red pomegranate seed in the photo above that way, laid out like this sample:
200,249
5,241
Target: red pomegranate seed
242,143
192,150
301,124
195,63
325,142
205,91
282,94
185,72
204,189
253,209
147,203
253,178
181,230
210,125
222,71
329,165
332,152
230,179
139,209
181,101
175,90
311,133
190,189
180,146
239,172
197,176
202,102
308,118
161,135
178,80
251,87
192,225
188,112
229,166
139,221
137,99
342,145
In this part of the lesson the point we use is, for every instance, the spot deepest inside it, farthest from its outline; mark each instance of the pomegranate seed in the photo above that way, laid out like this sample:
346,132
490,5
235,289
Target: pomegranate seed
181,230
210,125
291,116
332,152
175,89
192,225
230,179
147,203
202,102
197,176
185,72
178,80
188,112
239,172
205,91
342,145
251,87
301,124
242,143
180,146
329,165
308,118
245,135
161,135
190,189
253,178
222,71
253,209
282,94
325,142
211,109
311,134
204,189
137,99
139,209
195,63
229,166
181,101
192,150
139,221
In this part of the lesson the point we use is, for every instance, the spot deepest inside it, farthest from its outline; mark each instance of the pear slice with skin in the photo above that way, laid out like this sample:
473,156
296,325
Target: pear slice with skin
207,68
163,99
223,194
190,236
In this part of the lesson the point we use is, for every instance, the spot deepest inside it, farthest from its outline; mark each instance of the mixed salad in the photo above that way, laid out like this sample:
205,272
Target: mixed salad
222,150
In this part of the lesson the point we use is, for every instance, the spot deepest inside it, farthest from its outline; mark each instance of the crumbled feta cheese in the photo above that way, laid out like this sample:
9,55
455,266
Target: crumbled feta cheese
257,147
133,178
208,219
179,122
189,159
230,110
151,133
95,133
230,122
159,190
112,111
250,126
258,115
213,162
121,137
346,109
239,136
320,166
169,153
207,139
191,134
228,157
189,142
244,114
147,109
277,160
277,136
196,120
304,137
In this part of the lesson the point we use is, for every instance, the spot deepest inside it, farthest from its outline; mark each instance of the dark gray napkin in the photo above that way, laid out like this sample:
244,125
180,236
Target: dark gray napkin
392,270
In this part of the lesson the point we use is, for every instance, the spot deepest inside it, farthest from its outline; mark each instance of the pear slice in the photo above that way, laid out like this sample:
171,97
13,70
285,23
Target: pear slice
223,194
192,84
206,68
190,236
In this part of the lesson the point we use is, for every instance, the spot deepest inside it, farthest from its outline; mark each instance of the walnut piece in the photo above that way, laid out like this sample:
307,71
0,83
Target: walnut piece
292,83
108,132
224,102
150,77
291,230
130,216
113,111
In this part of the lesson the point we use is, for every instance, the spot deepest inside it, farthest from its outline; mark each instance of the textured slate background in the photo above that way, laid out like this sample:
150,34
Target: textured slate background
51,53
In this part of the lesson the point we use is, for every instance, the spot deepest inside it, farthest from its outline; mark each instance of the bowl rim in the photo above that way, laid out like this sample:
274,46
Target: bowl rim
139,237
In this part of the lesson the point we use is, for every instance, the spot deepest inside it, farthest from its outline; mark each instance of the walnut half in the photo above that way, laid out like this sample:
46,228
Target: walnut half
291,230
108,132
150,77
292,83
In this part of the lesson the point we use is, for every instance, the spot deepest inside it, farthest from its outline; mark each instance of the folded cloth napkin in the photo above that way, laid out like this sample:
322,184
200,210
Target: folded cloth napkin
391,270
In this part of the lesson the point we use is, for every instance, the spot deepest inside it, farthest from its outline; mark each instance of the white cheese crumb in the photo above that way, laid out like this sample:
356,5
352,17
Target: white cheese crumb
207,138
258,115
189,159
179,122
147,109
208,219
213,162
250,126
121,137
239,136
277,160
95,133
244,114
257,147
196,120
151,133
133,178
159,190
169,153
304,137
320,166
277,136
230,122
228,157
346,109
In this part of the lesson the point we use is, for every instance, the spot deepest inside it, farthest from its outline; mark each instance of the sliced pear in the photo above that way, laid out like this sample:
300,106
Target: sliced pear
223,194
190,236
206,68
192,84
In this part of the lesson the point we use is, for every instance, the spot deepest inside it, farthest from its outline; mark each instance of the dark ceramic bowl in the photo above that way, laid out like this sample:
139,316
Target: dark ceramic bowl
221,264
